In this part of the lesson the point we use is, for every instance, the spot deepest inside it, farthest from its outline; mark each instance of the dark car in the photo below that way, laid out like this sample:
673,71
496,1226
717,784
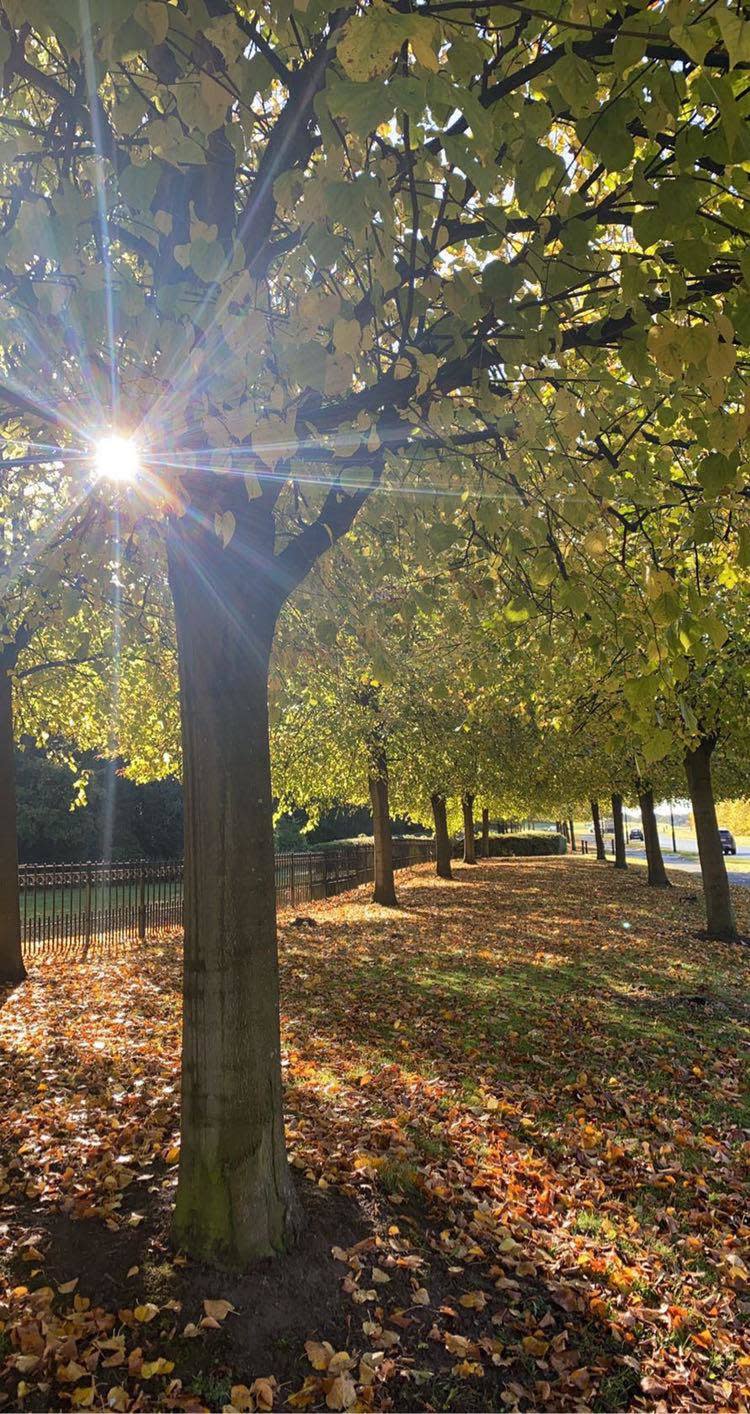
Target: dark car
728,845
636,835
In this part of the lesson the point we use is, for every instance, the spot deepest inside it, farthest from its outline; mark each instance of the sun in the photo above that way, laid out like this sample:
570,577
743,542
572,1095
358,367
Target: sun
116,458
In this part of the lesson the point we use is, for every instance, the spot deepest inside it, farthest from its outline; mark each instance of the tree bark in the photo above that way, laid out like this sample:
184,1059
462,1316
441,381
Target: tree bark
12,969
566,830
467,805
384,890
235,1199
620,856
572,835
720,918
485,833
601,852
657,874
442,838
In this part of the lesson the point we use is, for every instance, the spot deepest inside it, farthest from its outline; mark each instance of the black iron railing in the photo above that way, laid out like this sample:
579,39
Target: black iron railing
66,905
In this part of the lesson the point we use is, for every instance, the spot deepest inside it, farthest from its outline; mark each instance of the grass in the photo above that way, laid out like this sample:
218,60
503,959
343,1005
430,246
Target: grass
530,1118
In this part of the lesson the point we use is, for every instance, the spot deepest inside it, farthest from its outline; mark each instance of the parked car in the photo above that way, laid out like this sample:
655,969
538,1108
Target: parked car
635,835
728,845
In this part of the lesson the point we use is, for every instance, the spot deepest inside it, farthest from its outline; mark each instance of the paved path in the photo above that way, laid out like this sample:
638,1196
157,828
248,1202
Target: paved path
738,865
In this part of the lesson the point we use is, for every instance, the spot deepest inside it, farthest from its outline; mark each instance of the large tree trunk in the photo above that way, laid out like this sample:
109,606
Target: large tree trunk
572,834
620,857
485,833
11,962
467,805
719,912
384,890
235,1199
601,852
442,838
657,874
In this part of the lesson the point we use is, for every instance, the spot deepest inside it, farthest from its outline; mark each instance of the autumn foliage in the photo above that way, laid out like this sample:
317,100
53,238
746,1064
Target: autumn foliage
515,1113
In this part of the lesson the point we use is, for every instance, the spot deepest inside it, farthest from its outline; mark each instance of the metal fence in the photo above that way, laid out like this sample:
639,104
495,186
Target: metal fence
99,904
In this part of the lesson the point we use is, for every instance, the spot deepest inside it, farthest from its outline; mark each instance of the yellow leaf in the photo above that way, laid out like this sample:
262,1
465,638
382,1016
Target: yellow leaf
342,1393
264,1389
117,1398
146,1312
218,1310
473,1300
225,526
71,1372
150,1368
83,1397
241,1399
319,1353
534,1346
339,1362
469,1369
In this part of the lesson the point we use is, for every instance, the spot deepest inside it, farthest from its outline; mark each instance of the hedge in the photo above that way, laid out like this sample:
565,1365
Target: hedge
540,842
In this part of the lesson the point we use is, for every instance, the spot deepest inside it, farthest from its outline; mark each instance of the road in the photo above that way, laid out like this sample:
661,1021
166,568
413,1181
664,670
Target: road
738,865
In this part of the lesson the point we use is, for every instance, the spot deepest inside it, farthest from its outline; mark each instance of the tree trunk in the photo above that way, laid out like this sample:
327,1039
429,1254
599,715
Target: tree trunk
620,858
384,890
485,834
442,839
657,874
235,1199
601,852
572,835
11,961
566,830
719,911
467,805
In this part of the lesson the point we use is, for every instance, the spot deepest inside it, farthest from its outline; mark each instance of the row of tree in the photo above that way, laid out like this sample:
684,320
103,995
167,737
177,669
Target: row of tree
483,269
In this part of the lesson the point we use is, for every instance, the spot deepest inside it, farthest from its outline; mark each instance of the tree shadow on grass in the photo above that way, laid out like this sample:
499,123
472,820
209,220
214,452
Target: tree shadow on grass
450,1079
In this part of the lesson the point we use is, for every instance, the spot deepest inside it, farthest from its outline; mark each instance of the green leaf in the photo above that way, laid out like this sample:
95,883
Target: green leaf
735,33
369,44
138,184
717,472
658,744
208,260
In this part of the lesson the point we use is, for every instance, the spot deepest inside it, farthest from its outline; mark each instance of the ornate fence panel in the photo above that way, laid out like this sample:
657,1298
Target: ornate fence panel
75,906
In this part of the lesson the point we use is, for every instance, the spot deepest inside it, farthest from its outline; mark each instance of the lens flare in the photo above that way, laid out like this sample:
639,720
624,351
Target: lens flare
116,458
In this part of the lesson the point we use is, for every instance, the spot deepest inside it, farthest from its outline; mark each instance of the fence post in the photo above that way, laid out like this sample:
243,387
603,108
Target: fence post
310,876
87,924
142,904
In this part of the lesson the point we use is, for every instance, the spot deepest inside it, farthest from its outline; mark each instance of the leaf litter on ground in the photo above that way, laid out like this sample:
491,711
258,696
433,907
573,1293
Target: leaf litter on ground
521,1133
